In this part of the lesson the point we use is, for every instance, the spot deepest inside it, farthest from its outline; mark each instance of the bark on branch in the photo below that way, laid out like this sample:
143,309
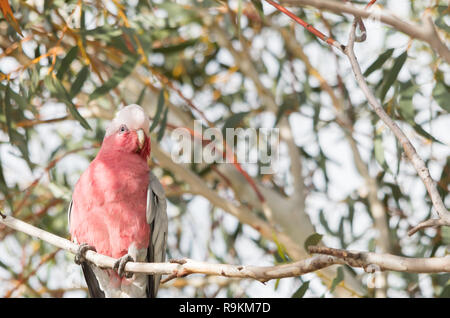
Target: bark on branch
179,268
425,32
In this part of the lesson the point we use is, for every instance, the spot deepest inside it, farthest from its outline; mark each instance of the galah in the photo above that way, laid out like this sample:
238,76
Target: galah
119,208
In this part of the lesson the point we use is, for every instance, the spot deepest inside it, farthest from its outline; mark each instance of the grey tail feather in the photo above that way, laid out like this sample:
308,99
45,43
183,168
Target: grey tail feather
153,280
150,287
91,281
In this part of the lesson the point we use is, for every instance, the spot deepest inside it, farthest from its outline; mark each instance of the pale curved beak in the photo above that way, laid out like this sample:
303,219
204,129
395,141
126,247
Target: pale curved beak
141,138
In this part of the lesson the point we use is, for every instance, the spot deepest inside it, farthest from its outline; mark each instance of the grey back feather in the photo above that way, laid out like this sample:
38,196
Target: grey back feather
157,218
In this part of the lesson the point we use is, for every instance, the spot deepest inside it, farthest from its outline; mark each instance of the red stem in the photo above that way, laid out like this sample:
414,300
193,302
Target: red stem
306,25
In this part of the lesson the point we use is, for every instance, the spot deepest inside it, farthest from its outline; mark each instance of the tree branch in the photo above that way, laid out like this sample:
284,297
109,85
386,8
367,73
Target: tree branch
371,262
425,32
410,151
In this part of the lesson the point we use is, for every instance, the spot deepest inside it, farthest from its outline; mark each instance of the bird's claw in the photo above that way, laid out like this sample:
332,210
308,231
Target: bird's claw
119,266
80,257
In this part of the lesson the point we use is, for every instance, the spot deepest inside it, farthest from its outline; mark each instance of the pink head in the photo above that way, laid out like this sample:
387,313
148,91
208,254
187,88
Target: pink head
128,132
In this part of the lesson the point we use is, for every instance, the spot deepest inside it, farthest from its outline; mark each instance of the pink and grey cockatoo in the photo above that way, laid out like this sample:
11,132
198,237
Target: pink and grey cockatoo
119,208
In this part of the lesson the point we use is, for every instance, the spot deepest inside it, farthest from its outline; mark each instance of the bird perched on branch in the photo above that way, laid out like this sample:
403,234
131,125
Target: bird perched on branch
119,208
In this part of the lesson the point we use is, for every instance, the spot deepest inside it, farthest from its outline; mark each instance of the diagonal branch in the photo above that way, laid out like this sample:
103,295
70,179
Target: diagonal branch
409,149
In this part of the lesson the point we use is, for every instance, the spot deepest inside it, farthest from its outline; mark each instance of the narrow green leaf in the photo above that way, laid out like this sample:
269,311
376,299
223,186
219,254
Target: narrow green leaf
277,283
312,240
324,222
18,98
280,249
21,142
406,109
407,112
6,267
445,292
441,94
105,32
301,290
322,162
445,232
351,211
379,62
290,103
339,278
15,138
379,151
238,17
371,246
163,125
67,60
116,78
341,232
176,47
57,89
79,81
316,116
141,96
392,74
441,22
159,108
259,7
3,185
234,120
424,133
281,110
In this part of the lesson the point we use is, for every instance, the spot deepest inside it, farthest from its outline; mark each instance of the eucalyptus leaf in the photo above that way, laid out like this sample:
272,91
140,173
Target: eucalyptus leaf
392,74
441,94
159,109
338,279
58,90
67,60
163,125
300,292
79,81
378,62
312,240
234,120
117,77
379,151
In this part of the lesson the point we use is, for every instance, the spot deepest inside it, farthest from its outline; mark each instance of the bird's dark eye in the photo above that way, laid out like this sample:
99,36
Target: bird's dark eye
123,128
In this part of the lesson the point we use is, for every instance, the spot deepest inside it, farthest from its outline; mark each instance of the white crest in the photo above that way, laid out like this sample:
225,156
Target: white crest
133,116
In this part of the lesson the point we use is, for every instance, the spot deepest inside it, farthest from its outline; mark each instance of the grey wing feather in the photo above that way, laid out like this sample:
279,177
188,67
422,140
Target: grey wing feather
157,218
69,211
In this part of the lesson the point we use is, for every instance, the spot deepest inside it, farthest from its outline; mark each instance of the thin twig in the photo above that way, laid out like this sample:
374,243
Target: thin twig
308,26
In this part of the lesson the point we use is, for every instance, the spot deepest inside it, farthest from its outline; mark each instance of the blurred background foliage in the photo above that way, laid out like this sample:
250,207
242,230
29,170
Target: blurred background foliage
224,63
